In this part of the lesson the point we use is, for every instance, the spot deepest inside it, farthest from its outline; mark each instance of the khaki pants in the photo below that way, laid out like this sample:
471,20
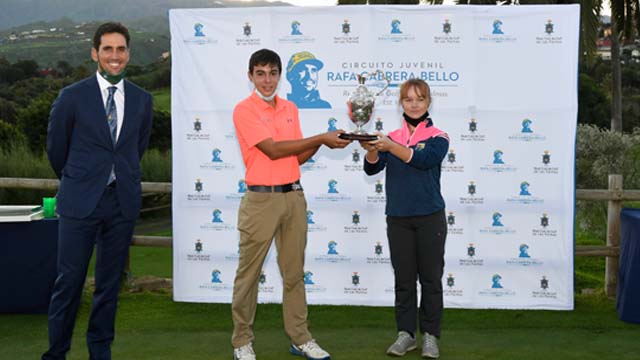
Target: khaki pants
261,217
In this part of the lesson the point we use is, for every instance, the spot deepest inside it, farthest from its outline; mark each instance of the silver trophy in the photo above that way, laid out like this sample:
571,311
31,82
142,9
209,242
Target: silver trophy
360,105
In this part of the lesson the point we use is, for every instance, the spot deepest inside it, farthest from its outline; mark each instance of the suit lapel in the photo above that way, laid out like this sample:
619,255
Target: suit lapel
95,96
130,107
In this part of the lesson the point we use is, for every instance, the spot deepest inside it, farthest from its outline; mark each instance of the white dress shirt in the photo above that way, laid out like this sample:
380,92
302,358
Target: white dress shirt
119,97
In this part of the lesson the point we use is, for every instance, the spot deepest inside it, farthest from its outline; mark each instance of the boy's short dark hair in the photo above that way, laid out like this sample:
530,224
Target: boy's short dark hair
264,57
109,28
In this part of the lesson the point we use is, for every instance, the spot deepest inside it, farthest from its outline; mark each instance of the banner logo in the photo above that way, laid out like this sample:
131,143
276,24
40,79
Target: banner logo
395,33
308,278
446,26
497,227
295,35
215,155
450,290
378,249
332,124
216,216
544,221
310,285
525,196
495,281
199,37
524,259
312,226
549,36
333,189
199,255
497,27
355,279
355,156
544,283
215,277
295,28
346,27
527,133
395,27
544,292
497,289
451,156
345,37
378,257
355,218
497,219
197,132
303,74
472,198
355,227
548,27
379,124
197,27
546,167
471,258
446,37
544,228
332,248
524,251
247,37
474,134
497,34
450,164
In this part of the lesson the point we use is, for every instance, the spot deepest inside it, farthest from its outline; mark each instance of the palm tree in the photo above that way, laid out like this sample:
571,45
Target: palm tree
624,15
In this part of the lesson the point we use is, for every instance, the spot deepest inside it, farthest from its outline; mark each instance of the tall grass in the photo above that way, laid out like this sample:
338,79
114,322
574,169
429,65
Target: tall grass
156,166
18,161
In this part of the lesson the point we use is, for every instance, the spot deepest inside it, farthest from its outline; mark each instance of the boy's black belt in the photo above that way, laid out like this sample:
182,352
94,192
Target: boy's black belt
294,186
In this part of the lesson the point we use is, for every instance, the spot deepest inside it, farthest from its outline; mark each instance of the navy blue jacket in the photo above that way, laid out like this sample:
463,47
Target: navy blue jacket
81,151
413,188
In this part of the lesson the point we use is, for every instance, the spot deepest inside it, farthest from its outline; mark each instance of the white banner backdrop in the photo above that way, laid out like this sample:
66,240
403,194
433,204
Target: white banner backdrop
504,86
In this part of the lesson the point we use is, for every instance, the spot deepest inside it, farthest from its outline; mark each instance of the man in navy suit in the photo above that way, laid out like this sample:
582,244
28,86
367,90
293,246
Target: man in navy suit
98,131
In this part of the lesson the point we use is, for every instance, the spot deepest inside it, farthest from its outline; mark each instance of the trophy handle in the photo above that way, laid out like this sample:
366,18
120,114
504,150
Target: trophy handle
384,77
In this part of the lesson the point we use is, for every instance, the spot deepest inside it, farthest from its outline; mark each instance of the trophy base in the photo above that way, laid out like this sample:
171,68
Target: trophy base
358,137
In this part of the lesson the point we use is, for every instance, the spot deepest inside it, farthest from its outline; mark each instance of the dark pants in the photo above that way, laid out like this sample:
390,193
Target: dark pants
416,244
111,232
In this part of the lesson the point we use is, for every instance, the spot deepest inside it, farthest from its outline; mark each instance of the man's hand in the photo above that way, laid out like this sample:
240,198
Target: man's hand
331,140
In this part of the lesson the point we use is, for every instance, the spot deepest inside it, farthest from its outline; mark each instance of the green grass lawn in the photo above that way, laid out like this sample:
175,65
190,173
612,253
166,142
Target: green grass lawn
162,99
152,326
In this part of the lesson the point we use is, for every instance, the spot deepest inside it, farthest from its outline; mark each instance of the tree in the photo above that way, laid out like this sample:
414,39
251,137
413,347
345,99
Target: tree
161,131
33,120
9,135
625,25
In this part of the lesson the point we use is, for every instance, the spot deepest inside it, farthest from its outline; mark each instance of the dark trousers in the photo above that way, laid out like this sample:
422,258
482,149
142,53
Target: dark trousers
111,233
416,244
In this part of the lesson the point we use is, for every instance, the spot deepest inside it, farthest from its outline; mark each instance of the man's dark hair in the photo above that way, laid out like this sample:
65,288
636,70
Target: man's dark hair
264,57
109,28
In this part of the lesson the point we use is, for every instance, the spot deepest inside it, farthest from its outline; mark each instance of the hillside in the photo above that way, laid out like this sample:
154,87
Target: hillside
20,12
48,43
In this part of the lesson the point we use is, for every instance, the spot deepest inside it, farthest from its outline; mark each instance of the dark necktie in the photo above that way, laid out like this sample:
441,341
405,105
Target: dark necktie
112,113
112,119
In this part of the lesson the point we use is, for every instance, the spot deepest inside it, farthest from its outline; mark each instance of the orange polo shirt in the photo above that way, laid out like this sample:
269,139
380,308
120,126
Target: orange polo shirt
255,120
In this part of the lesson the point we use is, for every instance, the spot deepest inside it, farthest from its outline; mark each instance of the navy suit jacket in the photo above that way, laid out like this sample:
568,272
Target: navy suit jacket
82,154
